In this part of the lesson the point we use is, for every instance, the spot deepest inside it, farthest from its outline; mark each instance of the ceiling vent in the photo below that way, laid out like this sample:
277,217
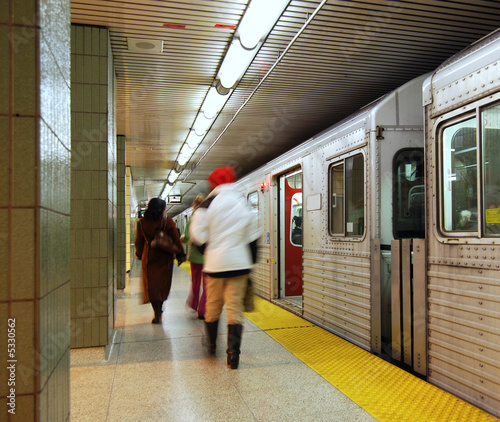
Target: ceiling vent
145,46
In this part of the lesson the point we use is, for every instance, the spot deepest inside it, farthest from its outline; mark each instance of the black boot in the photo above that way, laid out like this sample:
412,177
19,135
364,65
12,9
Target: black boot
157,305
211,329
234,332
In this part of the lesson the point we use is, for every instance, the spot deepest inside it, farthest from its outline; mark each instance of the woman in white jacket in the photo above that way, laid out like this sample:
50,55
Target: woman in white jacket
226,228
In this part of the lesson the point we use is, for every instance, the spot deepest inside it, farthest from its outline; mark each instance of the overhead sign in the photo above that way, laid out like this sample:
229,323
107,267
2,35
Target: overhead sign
175,199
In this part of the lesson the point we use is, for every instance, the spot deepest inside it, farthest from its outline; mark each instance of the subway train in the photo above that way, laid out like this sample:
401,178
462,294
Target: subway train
385,228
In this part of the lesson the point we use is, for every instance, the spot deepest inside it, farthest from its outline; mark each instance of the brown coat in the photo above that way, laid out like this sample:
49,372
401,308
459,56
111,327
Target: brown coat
157,266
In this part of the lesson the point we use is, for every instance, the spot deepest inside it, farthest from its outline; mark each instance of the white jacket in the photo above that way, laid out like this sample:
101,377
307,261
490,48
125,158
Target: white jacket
227,227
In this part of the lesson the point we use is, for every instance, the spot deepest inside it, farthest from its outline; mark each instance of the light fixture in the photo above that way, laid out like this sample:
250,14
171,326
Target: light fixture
173,176
187,150
259,18
214,102
235,63
183,159
201,124
166,191
193,139
185,154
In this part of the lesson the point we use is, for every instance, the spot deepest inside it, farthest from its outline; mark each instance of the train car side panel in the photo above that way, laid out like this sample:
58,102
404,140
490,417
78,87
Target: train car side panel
463,270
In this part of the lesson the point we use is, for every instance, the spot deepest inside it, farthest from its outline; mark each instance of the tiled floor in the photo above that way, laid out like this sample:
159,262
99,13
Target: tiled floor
162,373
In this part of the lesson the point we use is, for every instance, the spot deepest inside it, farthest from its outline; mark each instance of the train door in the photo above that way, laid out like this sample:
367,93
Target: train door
290,238
402,271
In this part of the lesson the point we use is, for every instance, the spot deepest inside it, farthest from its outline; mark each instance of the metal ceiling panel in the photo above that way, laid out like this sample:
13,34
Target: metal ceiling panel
322,61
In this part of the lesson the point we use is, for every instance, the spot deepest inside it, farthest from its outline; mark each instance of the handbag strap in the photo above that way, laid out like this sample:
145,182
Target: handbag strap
163,225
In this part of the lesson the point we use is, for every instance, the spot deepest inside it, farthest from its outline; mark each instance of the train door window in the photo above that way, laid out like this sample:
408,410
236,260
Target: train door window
490,118
296,219
409,194
347,197
294,181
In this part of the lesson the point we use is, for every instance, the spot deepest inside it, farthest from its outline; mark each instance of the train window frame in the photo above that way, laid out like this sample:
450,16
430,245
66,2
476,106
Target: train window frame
348,227
472,222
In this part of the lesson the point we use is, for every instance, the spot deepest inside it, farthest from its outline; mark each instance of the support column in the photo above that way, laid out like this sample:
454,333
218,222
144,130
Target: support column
94,188
34,210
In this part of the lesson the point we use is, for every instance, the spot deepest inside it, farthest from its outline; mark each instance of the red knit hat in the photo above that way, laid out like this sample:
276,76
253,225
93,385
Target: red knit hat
222,175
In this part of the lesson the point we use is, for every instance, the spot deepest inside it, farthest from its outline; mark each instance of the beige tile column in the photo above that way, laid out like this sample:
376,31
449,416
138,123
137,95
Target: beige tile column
34,210
94,188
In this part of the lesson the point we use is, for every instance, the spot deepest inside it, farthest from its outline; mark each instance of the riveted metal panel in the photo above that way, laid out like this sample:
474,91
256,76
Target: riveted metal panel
419,306
337,293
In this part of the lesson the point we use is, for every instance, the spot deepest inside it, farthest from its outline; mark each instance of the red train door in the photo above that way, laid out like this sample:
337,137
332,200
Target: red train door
290,225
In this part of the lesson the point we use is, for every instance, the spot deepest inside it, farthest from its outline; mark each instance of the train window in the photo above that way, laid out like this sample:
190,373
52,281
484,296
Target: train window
490,118
470,175
459,176
347,197
253,201
336,206
409,194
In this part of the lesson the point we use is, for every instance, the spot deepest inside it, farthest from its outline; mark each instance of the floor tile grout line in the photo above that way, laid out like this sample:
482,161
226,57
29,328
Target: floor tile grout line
112,385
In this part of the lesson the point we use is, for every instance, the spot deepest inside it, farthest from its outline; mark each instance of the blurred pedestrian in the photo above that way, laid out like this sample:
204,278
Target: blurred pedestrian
195,258
156,264
227,229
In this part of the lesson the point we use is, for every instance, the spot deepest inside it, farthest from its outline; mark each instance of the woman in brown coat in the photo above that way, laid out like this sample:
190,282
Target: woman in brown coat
157,265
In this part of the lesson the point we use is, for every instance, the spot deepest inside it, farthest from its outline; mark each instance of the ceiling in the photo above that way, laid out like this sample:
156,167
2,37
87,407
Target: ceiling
322,61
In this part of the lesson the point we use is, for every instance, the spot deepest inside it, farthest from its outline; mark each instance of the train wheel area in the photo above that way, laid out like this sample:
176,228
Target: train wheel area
385,391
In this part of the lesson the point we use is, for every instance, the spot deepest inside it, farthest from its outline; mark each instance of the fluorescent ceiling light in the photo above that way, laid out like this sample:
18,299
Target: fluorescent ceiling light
235,64
185,154
193,139
173,176
201,124
213,103
258,20
183,159
187,150
166,191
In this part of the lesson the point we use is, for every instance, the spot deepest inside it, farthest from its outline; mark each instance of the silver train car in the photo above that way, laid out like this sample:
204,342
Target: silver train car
385,228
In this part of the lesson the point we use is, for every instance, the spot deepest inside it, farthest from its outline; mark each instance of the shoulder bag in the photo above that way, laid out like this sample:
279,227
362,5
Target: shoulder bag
164,241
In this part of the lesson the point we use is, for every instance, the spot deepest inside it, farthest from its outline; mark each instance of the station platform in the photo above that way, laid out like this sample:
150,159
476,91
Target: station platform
290,370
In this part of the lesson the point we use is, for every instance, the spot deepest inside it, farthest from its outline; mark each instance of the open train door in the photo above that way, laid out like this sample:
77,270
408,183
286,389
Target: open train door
290,238
399,263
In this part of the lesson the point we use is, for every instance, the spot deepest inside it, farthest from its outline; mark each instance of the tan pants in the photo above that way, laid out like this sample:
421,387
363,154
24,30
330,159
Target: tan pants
228,291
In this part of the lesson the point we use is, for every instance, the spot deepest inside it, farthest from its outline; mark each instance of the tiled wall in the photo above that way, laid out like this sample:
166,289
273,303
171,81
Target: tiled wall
94,192
34,208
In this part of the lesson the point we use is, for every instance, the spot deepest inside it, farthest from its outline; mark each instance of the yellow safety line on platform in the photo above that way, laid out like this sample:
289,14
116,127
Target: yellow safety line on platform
385,391
186,266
